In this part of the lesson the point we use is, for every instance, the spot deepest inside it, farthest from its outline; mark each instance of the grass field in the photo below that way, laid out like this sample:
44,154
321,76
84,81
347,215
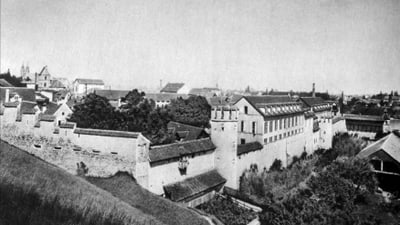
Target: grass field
33,191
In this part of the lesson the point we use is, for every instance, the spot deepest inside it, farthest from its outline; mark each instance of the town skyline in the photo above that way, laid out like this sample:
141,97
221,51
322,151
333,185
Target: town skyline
339,45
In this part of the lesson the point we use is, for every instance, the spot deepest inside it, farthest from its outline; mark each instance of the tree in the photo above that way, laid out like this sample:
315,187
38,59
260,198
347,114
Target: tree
193,111
97,113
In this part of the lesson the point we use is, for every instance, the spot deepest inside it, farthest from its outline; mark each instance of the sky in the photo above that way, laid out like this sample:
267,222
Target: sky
341,45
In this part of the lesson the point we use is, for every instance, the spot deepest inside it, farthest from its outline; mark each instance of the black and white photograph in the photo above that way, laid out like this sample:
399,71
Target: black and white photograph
199,112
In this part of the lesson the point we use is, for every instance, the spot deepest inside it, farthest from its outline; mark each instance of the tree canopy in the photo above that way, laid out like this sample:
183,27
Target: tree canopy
193,111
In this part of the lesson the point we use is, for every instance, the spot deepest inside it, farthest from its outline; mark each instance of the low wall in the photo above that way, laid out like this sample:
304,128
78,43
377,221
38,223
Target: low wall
66,155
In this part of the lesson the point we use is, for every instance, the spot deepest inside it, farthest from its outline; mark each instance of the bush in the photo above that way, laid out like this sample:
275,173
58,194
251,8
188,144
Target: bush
227,211
276,165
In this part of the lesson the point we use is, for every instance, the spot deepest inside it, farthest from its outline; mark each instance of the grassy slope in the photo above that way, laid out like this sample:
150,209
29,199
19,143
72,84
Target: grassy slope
125,188
33,184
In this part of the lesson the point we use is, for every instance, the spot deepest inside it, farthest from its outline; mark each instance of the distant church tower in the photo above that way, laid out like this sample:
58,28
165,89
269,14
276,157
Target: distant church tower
224,132
23,72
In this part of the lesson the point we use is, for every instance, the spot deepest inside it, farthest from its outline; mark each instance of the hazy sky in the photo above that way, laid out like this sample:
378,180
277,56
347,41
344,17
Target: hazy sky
349,45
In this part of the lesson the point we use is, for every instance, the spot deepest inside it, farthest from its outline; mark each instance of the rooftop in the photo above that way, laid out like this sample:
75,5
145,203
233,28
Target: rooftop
190,187
312,101
249,147
89,81
172,87
184,131
52,108
389,144
26,94
4,83
176,150
110,133
363,117
164,96
113,95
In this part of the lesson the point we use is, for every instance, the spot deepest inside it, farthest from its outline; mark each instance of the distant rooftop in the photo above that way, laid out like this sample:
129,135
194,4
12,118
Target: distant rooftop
89,81
112,95
172,87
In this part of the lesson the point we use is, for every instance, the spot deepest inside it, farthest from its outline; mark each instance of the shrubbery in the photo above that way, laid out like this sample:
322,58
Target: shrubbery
227,211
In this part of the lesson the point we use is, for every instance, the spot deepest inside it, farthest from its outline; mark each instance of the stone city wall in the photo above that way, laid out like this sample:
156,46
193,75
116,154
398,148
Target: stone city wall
64,154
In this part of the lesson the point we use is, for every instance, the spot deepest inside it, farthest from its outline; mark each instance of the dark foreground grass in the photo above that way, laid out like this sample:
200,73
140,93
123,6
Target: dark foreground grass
125,188
33,191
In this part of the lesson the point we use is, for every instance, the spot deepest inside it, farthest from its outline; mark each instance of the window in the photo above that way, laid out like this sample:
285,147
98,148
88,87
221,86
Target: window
266,127
242,141
270,139
245,110
280,136
276,125
275,137
280,124
270,126
242,126
253,128
284,123
292,121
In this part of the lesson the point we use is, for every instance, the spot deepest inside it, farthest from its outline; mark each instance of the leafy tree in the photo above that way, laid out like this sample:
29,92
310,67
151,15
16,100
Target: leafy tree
97,113
193,111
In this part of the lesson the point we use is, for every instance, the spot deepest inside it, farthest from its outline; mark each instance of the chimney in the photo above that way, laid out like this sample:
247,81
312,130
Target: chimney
313,90
7,99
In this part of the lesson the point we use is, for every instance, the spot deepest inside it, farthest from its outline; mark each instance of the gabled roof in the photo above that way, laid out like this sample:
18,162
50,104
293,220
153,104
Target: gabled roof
52,108
249,147
312,101
4,83
172,87
184,131
89,81
112,95
191,187
389,144
57,84
286,105
26,94
44,71
176,150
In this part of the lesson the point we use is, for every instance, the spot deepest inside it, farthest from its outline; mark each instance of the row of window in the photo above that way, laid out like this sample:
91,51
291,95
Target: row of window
281,136
284,123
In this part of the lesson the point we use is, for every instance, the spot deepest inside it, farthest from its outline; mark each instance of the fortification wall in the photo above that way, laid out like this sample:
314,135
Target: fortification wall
168,172
62,153
339,126
283,150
